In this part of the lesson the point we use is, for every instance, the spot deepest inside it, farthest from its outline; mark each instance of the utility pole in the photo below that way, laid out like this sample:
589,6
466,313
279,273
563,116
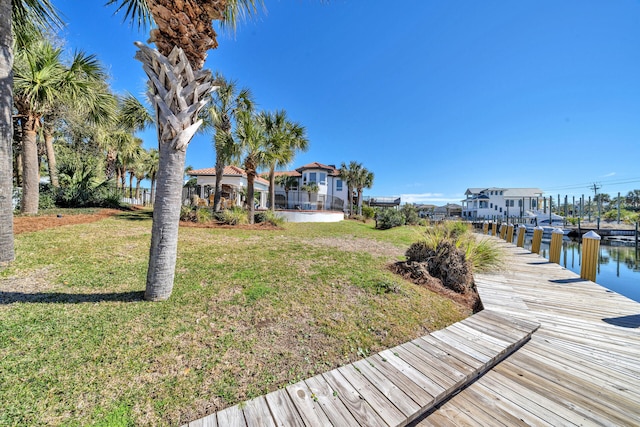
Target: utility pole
596,187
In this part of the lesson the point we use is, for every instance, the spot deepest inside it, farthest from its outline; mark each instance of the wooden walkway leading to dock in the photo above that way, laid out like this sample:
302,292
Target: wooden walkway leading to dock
549,349
581,367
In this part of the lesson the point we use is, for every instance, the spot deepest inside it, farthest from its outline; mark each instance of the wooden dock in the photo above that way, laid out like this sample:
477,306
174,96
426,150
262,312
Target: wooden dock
549,349
581,367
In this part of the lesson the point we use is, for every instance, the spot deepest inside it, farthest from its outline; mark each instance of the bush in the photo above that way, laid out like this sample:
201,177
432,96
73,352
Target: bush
268,217
234,216
389,218
410,213
203,215
187,213
47,196
368,212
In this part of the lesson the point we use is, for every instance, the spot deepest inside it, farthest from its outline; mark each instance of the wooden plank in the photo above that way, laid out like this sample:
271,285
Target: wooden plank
359,407
209,421
307,407
434,383
232,417
396,396
374,397
447,376
461,344
404,383
430,342
452,366
257,414
333,407
282,409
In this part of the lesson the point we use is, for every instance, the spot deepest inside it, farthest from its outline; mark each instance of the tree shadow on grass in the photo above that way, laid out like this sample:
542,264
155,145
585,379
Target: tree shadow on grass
136,215
64,298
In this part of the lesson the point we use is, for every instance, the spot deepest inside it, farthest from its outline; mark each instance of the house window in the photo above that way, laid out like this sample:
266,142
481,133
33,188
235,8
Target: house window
491,205
339,185
496,208
501,193
500,210
519,203
312,177
323,178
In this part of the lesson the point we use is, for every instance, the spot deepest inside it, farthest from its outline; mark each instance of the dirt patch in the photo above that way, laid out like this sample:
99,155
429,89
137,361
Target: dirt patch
27,224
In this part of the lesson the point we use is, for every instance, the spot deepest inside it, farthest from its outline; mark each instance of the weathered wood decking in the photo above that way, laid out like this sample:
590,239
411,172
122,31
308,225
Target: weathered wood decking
582,367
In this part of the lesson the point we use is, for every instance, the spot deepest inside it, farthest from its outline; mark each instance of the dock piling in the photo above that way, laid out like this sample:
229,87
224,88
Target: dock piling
510,233
521,233
590,250
537,239
556,245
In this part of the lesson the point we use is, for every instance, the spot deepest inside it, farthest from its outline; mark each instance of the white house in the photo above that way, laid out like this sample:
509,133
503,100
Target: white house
497,202
332,190
234,184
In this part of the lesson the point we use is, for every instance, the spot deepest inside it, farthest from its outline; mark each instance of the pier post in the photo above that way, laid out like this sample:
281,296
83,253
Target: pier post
494,228
537,239
521,233
503,230
590,250
485,227
510,233
556,245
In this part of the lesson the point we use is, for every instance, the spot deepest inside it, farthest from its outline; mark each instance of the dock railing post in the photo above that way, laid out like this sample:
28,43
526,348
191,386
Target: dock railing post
510,233
485,227
537,239
503,230
494,228
556,245
521,232
590,250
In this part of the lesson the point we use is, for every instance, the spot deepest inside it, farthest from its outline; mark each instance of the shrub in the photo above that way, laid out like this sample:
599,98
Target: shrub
234,216
389,218
268,217
187,213
368,212
410,213
47,196
203,215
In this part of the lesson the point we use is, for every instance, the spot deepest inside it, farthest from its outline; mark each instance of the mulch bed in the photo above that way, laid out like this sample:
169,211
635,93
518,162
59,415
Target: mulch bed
26,224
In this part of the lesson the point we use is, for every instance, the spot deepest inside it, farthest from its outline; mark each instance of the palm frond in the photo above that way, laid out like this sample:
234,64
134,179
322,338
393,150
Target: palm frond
135,11
240,10
31,18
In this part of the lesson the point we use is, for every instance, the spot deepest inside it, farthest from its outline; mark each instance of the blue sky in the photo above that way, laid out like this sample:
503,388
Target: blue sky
435,96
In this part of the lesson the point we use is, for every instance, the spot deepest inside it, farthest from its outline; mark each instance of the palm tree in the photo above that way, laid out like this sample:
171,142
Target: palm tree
287,182
179,89
349,173
363,179
151,169
42,81
283,139
22,18
310,188
226,102
251,136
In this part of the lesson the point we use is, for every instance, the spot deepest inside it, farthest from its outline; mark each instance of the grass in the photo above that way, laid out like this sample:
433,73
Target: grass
251,312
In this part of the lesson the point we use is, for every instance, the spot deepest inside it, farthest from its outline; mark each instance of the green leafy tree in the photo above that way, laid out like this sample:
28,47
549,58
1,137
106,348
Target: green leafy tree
349,173
251,136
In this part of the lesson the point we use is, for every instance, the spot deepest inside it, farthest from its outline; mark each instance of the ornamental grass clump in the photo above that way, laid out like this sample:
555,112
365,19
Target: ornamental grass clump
444,260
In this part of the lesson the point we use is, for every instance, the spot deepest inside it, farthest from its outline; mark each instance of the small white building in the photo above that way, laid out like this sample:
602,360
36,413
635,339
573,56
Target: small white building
234,184
497,202
332,191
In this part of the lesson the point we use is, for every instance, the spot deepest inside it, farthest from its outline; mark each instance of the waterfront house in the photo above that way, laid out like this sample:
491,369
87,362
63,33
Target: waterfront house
332,191
234,184
500,202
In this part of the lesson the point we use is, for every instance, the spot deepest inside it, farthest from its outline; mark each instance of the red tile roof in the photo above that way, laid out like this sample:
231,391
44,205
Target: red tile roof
228,171
315,165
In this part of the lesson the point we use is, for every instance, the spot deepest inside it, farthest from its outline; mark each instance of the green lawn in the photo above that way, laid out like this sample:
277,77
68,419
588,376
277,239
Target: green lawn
251,311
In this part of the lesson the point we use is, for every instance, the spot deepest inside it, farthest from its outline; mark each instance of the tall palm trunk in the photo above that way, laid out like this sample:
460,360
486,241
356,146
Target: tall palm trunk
30,170
131,175
7,252
251,176
153,189
110,166
217,194
51,155
178,93
272,188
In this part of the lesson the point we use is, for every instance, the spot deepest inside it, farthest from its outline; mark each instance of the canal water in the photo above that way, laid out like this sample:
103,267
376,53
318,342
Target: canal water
618,266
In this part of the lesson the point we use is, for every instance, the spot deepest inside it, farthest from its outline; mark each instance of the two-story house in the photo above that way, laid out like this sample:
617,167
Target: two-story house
497,202
331,191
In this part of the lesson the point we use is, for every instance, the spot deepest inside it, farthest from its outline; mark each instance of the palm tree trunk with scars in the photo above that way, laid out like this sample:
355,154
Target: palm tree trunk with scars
7,252
178,93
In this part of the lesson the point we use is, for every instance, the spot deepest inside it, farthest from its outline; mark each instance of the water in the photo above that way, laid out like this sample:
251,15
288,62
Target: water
618,266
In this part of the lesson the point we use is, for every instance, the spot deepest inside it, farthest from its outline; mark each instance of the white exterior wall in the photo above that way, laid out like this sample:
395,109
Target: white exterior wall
238,182
326,191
